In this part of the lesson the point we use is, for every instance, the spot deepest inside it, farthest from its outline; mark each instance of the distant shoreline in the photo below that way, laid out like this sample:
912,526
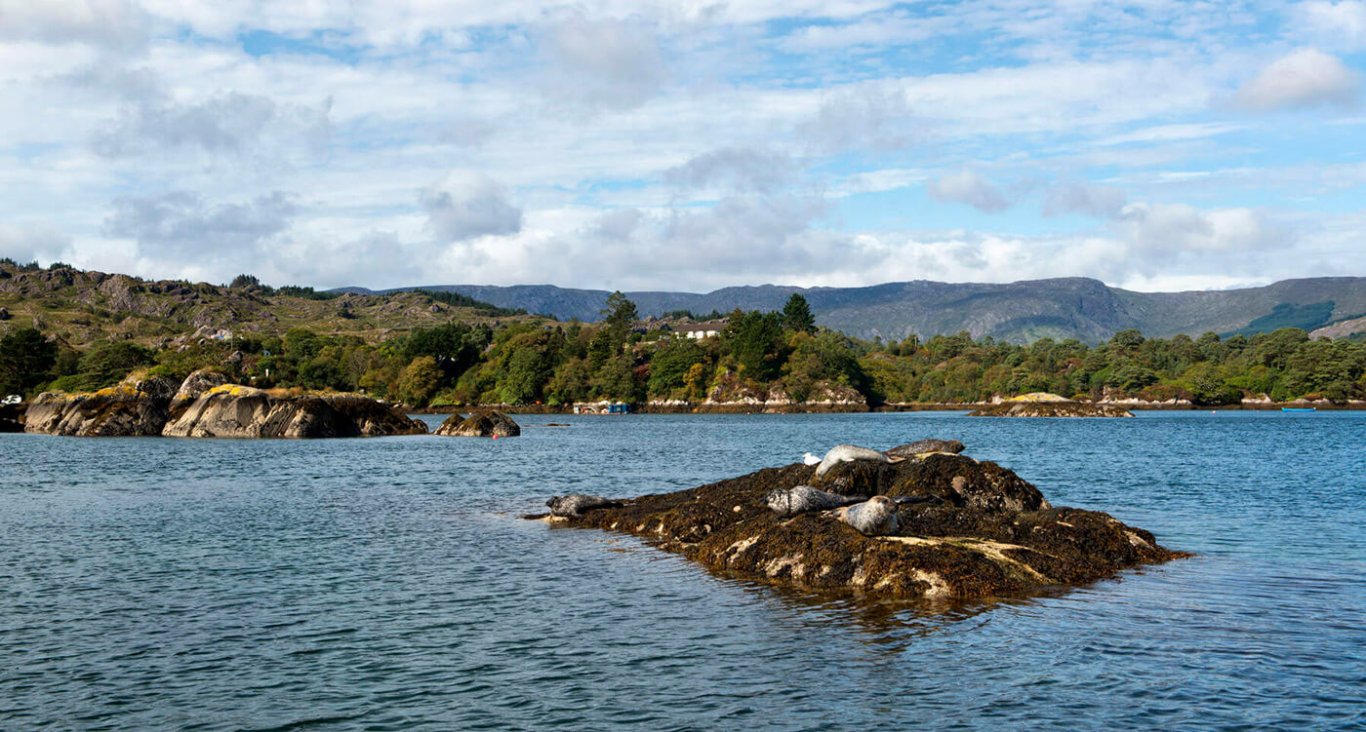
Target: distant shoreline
916,407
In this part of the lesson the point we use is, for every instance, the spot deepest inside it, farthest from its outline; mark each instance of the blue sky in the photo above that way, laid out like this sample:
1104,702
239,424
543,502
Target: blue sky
1154,145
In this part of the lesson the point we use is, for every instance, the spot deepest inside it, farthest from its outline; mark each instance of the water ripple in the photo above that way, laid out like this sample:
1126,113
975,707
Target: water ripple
386,584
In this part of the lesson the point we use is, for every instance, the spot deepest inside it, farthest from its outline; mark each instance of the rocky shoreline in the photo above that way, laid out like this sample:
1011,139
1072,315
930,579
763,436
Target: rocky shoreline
1051,409
204,405
963,529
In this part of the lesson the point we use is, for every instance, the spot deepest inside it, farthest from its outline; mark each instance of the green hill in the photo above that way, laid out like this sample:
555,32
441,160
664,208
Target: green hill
81,307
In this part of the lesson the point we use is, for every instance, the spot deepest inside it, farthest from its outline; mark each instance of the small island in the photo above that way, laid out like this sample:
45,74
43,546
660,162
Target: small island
1041,404
960,529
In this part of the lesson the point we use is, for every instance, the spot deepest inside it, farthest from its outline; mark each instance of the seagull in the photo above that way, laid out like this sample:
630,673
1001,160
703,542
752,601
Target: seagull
809,459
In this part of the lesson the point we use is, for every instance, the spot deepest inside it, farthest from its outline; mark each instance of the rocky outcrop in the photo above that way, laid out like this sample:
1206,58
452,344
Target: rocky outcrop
1050,409
963,529
486,423
233,411
733,394
140,407
136,407
195,385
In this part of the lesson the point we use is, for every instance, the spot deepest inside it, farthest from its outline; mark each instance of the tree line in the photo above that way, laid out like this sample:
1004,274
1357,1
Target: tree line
619,358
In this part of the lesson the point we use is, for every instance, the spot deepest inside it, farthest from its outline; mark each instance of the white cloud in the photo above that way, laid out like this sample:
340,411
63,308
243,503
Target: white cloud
116,24
28,243
1080,198
969,188
864,117
466,205
737,168
1336,23
1178,228
1306,78
1167,133
181,225
602,64
232,123
692,145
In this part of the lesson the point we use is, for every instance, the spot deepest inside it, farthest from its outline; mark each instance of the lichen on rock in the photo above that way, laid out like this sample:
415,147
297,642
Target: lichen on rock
236,411
135,407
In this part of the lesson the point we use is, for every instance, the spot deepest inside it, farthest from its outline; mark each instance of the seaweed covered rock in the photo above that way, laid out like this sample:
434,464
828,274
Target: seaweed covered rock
962,529
235,411
486,423
134,407
1050,409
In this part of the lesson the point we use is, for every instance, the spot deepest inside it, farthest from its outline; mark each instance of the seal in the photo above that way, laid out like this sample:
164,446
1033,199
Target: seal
920,447
803,498
848,453
574,504
874,517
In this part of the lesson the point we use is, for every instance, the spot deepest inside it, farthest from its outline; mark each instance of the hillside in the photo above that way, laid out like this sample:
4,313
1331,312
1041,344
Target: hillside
81,307
1079,308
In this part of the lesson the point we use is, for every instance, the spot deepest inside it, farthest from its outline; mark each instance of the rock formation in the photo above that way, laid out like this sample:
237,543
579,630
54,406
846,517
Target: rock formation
485,423
203,406
1050,409
234,411
135,407
963,529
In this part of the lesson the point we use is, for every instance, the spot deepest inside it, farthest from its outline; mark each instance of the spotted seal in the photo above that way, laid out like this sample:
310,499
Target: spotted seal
574,504
874,517
804,498
920,447
848,453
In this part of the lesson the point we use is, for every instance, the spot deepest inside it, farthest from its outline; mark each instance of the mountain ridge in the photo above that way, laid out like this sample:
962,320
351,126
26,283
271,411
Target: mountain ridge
1063,307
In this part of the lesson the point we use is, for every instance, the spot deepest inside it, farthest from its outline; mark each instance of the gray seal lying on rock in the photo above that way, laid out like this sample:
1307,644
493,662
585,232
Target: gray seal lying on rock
848,453
874,517
574,504
804,498
920,447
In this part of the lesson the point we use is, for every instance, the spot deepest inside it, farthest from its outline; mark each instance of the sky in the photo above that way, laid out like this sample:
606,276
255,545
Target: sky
692,145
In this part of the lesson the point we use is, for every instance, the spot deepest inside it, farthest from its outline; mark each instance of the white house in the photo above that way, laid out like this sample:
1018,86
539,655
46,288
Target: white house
698,331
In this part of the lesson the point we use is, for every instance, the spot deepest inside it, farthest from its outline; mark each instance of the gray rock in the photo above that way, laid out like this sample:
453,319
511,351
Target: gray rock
233,411
488,423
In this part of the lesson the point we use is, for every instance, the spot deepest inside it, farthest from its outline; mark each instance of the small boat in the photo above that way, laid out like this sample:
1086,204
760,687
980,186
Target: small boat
1299,409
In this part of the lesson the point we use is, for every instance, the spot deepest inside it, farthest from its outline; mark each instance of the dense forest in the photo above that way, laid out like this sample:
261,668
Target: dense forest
621,358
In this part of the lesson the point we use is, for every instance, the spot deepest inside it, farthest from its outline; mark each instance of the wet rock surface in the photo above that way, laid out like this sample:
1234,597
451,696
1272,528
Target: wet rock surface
486,423
1051,409
234,411
971,530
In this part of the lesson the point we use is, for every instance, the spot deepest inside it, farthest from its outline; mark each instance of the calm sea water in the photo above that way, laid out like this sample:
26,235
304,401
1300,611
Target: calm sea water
387,584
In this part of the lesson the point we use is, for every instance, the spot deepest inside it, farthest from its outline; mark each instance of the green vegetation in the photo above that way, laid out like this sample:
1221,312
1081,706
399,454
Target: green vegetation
527,361
1288,315
80,309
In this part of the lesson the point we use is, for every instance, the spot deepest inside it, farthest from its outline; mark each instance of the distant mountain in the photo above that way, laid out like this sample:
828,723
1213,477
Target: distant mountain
1076,307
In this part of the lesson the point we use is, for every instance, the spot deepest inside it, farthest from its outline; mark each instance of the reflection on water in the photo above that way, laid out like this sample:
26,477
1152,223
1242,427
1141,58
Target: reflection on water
387,584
